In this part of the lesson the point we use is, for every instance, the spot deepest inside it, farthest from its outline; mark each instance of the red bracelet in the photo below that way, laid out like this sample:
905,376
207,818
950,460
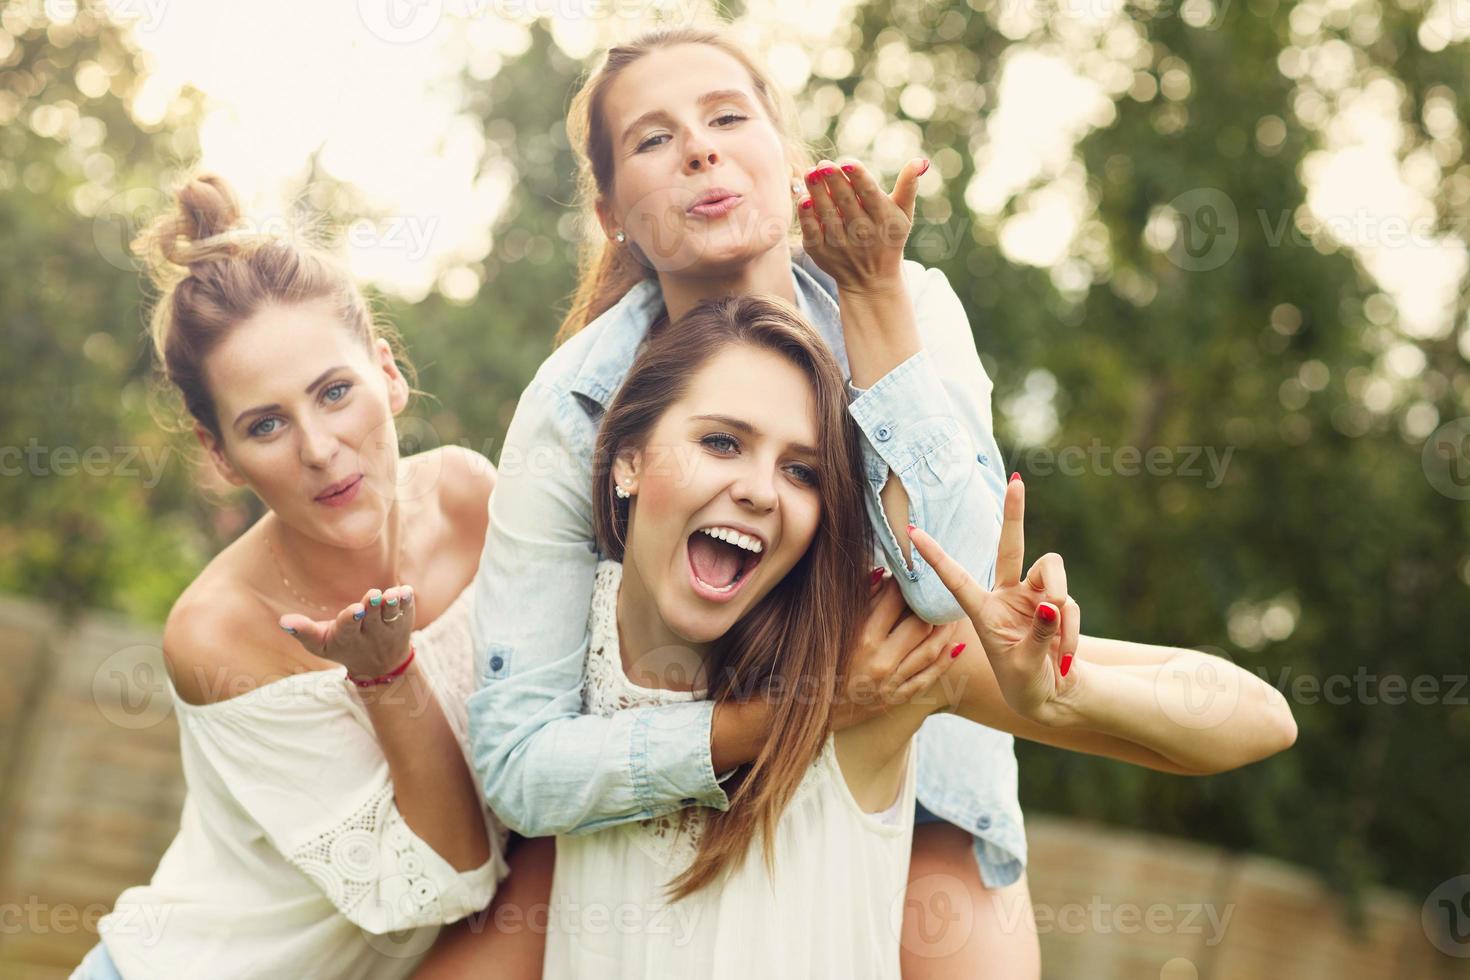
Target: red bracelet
385,678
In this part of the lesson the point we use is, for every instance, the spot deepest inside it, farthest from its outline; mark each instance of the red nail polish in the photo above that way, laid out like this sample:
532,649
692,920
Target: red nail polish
806,205
1015,477
959,648
825,172
913,527
1066,664
875,577
1046,613
924,169
812,176
848,168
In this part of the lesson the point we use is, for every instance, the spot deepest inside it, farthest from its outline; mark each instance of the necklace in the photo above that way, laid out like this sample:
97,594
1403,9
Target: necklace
275,560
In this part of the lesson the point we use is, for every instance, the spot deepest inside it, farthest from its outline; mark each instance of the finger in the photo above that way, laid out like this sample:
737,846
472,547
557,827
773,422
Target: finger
948,652
1071,632
848,205
888,609
923,655
865,187
1049,577
308,632
909,632
906,188
1012,550
390,610
811,227
822,203
950,572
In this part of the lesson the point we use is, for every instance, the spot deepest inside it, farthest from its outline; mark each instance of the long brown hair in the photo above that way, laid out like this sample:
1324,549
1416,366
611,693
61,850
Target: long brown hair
794,645
607,272
213,273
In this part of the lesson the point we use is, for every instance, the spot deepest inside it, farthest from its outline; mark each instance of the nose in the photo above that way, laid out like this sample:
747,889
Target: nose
318,445
699,155
755,490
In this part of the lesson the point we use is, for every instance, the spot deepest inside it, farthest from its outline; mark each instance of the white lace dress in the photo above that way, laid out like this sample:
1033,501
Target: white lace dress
833,908
292,859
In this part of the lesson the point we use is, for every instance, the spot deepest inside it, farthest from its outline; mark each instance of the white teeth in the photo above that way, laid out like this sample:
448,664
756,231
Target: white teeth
734,537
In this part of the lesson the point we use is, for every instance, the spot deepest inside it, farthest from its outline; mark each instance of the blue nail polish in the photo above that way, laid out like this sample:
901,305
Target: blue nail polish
359,614
393,601
289,630
375,600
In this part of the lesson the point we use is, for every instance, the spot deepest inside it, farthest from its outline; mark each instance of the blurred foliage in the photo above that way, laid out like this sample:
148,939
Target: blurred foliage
1323,552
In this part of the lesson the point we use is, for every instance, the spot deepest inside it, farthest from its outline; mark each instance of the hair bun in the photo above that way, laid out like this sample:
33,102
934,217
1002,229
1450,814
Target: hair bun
205,208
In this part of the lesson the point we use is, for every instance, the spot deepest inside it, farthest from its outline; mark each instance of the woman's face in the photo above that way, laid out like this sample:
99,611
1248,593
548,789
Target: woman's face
305,408
736,455
687,127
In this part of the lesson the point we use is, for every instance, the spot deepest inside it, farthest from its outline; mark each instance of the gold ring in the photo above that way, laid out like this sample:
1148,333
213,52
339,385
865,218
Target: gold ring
392,619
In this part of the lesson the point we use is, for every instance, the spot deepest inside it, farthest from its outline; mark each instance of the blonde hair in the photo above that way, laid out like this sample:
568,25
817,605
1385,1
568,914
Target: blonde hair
213,274
606,273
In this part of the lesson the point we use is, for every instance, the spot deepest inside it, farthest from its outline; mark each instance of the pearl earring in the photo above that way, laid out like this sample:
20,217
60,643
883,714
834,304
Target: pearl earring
622,492
619,237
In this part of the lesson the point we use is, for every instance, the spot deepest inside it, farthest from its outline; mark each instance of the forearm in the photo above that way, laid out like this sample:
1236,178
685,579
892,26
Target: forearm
432,785
880,329
1199,711
738,732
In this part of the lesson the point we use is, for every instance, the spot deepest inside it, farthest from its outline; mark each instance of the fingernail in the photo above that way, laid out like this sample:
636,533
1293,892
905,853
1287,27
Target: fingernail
289,630
825,172
806,204
407,596
848,168
959,648
1066,664
913,527
375,601
925,168
876,576
1015,477
812,175
359,614
393,601
1046,612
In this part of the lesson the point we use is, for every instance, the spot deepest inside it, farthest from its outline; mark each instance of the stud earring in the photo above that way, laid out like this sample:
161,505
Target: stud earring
797,187
622,492
619,237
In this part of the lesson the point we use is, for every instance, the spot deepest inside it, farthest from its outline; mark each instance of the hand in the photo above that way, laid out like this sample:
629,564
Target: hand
1029,627
369,638
899,656
852,229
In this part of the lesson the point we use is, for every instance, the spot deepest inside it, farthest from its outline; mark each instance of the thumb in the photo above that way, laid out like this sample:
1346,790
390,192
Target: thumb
1045,623
906,188
308,632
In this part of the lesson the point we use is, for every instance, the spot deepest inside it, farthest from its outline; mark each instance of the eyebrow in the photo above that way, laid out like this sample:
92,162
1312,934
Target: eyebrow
718,95
309,389
742,426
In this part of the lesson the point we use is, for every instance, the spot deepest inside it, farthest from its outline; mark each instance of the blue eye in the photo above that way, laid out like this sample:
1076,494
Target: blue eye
258,428
721,438
804,473
339,386
650,142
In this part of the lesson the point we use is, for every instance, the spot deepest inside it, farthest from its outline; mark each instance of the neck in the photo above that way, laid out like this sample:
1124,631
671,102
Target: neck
337,577
654,655
769,274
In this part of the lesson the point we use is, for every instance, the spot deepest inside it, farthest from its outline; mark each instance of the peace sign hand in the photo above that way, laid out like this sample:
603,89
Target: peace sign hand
1028,626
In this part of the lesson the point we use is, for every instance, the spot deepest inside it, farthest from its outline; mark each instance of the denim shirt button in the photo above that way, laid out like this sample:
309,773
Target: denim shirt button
983,823
982,459
496,663
884,433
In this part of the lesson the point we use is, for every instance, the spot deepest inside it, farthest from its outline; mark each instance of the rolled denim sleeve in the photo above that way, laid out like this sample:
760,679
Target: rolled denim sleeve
546,768
928,421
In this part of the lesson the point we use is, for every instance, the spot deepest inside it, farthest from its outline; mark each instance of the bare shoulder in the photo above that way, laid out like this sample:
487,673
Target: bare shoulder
465,481
217,641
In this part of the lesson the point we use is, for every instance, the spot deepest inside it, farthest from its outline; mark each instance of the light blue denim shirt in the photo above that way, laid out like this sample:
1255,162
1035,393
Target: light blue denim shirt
549,769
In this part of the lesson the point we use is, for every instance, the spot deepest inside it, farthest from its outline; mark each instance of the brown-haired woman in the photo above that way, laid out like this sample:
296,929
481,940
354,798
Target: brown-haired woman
728,454
332,823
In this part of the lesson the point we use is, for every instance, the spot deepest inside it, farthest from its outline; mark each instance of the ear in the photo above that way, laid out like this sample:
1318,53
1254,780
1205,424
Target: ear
222,464
626,468
605,218
397,384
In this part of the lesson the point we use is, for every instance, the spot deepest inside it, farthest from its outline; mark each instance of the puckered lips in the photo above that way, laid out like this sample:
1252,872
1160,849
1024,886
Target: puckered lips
721,558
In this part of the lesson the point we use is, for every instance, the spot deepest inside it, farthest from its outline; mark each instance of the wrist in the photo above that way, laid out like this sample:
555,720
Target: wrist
1075,701
379,678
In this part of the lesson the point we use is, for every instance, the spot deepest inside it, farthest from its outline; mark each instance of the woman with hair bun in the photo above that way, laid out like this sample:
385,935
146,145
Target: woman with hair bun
332,823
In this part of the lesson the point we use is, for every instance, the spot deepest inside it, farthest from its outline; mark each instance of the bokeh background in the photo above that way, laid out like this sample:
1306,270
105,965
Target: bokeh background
1214,256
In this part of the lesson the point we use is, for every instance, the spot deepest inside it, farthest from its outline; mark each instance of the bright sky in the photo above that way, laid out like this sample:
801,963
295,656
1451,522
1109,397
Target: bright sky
372,87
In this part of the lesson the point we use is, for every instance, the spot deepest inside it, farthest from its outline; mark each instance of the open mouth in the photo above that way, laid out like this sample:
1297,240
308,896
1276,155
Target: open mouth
721,560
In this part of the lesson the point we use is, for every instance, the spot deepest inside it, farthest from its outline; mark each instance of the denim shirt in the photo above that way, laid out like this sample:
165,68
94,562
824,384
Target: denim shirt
549,769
